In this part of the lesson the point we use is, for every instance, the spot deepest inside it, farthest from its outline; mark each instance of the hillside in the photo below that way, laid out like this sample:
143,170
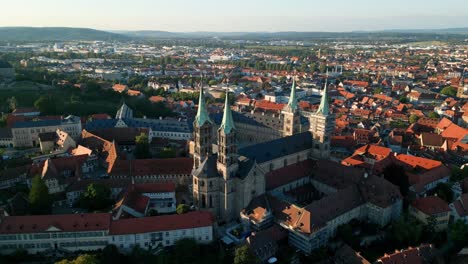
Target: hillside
56,34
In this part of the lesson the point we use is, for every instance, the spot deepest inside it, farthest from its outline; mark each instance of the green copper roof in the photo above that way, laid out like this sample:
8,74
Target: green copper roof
228,122
202,114
324,107
292,104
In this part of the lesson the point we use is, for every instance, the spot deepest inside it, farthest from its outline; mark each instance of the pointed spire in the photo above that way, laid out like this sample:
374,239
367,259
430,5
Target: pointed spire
228,122
324,107
292,103
202,113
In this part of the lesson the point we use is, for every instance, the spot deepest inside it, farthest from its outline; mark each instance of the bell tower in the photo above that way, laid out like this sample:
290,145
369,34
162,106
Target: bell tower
202,132
322,124
227,163
290,112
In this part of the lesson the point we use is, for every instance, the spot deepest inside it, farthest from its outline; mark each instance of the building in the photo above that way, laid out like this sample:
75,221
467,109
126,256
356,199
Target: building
424,254
26,133
226,178
139,200
431,208
291,122
94,231
348,194
460,208
175,129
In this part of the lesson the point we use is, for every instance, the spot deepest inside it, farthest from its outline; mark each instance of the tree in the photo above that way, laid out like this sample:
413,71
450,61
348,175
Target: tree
378,90
39,198
413,118
188,251
182,209
43,104
96,197
444,191
12,103
433,115
406,232
459,174
449,91
212,82
82,259
458,233
167,153
142,150
110,255
243,255
404,100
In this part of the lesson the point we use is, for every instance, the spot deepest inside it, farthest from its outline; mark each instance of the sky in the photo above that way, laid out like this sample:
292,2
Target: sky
237,15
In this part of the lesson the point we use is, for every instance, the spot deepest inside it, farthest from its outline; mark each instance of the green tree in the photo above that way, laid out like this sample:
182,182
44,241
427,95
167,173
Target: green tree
449,91
444,191
406,232
182,209
458,233
433,115
142,150
110,255
167,153
188,251
82,259
212,82
378,90
243,255
12,103
459,174
39,198
413,118
44,104
96,197
404,99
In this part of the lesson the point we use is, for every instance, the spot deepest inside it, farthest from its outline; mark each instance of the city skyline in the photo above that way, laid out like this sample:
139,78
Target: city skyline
241,16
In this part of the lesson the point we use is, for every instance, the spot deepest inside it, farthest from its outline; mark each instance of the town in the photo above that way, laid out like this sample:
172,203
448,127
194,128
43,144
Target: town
234,151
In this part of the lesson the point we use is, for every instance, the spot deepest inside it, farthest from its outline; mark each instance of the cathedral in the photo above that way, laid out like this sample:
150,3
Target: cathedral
226,178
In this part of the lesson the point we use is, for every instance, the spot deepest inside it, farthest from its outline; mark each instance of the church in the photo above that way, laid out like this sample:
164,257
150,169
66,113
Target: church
226,178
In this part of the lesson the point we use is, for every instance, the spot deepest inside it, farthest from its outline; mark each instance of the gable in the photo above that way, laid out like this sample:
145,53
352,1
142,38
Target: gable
53,229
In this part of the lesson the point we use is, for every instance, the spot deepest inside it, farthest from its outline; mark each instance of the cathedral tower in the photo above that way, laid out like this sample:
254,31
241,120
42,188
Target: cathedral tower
203,132
322,124
227,144
291,117
227,163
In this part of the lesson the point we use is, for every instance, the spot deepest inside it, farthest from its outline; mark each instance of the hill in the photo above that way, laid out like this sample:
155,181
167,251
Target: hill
57,34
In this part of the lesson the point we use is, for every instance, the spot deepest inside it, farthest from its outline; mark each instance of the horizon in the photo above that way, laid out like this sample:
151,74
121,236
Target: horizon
243,16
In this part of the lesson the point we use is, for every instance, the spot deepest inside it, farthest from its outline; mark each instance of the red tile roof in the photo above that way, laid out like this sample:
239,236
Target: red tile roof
419,255
288,174
161,223
431,205
65,223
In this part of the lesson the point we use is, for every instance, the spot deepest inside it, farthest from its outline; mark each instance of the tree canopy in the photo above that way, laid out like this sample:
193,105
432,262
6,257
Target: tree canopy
142,150
96,197
243,255
39,198
450,91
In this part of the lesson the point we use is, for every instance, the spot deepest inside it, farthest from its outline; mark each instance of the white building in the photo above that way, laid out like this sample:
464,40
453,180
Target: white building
76,232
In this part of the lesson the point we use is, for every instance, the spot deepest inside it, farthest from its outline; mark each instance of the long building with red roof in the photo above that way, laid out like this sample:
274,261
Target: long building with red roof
93,231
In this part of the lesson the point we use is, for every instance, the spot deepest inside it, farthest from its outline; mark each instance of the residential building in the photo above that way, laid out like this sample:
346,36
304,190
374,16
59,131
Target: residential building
431,209
26,134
